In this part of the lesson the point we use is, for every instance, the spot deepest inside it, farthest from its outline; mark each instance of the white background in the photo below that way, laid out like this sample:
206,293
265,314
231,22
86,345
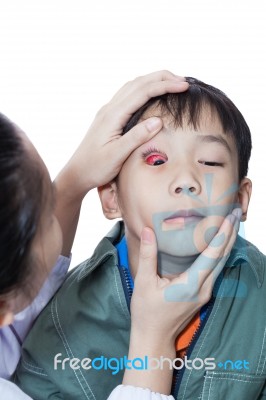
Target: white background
60,61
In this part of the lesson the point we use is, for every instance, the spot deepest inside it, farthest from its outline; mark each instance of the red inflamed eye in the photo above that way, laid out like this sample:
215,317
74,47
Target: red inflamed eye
155,159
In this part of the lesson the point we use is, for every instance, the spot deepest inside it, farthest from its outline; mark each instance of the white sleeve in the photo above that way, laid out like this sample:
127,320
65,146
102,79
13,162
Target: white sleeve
12,336
125,392
23,320
9,391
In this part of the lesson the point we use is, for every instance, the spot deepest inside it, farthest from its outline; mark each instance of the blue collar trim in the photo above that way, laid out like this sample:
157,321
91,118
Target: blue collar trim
122,253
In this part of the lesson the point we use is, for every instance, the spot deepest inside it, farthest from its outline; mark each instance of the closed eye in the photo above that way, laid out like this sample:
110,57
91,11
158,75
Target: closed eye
211,163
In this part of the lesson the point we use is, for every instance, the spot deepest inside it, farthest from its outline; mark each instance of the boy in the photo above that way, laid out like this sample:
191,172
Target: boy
183,183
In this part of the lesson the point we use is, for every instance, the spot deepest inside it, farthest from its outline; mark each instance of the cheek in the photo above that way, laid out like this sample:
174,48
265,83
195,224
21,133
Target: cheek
137,207
131,188
224,188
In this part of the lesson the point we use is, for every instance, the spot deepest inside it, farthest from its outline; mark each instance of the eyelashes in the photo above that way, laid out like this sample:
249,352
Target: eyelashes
153,150
211,163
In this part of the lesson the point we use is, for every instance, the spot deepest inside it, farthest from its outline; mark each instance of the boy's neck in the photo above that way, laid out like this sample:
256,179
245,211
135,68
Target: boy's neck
168,266
172,266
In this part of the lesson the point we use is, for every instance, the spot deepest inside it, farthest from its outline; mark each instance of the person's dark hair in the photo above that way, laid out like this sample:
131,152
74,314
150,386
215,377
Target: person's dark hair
21,188
187,107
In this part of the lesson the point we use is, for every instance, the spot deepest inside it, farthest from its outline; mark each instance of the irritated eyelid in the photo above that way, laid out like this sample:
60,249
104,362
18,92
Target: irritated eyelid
153,151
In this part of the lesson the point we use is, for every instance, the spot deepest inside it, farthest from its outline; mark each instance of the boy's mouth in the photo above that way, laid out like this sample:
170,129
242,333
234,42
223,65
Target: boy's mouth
181,219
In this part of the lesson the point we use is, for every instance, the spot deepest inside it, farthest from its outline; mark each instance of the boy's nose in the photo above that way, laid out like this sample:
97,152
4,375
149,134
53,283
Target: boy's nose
191,189
188,185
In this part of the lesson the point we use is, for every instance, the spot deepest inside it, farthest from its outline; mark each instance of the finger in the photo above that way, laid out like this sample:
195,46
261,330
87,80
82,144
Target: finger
221,245
159,77
235,221
222,242
138,135
162,75
141,81
136,97
207,281
136,93
212,260
160,87
147,256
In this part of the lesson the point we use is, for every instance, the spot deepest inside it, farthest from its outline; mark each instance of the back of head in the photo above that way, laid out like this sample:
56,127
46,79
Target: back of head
20,205
188,108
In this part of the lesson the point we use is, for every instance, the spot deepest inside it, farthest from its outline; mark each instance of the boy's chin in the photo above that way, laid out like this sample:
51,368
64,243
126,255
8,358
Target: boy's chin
179,243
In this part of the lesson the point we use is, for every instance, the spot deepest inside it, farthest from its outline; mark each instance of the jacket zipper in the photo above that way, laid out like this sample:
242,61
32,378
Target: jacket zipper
128,290
179,373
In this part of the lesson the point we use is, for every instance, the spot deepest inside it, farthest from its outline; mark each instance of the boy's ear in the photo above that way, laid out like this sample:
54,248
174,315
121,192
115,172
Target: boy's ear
244,194
108,197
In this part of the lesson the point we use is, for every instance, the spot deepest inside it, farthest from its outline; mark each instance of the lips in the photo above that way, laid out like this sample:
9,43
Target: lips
185,214
181,218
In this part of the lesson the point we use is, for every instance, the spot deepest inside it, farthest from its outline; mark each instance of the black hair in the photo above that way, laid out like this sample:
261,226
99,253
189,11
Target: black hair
21,201
187,107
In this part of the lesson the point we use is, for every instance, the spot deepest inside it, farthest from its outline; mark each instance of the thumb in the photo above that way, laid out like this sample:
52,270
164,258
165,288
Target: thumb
147,255
140,133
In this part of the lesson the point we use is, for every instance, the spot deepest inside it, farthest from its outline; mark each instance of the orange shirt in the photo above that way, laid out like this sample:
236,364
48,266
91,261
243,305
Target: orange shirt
185,337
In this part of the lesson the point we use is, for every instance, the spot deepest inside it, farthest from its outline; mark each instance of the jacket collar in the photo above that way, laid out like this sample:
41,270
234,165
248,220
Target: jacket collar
247,252
104,251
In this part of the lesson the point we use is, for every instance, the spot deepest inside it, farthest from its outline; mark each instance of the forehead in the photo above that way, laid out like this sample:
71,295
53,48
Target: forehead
207,123
207,129
204,117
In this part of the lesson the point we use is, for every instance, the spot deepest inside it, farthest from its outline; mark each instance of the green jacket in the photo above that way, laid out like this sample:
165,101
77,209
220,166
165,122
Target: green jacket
89,318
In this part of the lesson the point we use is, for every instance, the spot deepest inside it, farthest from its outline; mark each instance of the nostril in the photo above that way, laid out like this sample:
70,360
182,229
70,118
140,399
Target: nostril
185,189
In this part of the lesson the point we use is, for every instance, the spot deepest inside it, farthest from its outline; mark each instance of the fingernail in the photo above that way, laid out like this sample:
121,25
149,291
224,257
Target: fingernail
153,123
146,236
182,84
237,212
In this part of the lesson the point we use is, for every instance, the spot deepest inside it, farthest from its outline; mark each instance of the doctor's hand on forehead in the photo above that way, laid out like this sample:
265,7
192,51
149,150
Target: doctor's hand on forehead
101,154
104,149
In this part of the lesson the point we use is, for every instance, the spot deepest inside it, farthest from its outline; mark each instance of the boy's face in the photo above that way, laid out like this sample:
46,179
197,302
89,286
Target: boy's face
182,183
